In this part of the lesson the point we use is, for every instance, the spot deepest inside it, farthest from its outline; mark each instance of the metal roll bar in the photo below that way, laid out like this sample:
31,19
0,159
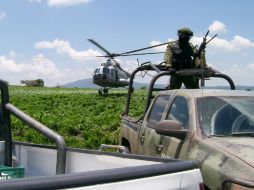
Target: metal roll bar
11,109
163,71
6,124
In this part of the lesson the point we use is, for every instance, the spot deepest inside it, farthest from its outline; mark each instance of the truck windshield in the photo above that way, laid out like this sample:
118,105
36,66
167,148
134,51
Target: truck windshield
226,115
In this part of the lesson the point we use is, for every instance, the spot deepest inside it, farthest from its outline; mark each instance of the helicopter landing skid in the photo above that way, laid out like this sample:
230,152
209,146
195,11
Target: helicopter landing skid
103,91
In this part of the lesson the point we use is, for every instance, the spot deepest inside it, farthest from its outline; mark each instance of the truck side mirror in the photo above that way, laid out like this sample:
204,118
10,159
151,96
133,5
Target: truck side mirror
171,128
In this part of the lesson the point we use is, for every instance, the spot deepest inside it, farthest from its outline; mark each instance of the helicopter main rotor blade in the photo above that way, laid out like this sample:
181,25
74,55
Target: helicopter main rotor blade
128,52
131,54
99,46
148,53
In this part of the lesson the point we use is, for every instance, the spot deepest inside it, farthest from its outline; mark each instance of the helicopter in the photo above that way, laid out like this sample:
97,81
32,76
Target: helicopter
110,74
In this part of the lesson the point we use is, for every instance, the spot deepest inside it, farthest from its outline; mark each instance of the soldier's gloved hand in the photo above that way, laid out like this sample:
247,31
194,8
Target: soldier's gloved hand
202,46
168,67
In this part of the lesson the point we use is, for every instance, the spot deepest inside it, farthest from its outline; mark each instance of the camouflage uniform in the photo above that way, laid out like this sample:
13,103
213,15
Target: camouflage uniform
180,55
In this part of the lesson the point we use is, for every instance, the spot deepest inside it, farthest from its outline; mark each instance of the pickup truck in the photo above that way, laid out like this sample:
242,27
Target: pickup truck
214,128
25,166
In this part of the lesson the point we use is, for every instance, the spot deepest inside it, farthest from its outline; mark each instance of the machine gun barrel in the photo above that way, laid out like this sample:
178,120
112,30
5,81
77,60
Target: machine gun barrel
211,38
204,43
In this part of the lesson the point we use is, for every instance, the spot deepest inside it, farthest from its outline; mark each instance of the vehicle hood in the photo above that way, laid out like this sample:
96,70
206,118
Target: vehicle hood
241,148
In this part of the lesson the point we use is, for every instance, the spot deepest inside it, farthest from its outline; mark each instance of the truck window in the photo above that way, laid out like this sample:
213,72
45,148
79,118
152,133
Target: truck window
226,115
179,111
157,110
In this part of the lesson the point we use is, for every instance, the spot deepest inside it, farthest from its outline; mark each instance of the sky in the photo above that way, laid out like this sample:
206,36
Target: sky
47,39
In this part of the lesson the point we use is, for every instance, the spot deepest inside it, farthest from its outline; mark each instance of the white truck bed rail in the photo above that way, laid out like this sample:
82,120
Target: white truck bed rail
91,169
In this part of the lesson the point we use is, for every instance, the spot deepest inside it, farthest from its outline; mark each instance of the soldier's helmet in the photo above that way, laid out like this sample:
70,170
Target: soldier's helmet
184,32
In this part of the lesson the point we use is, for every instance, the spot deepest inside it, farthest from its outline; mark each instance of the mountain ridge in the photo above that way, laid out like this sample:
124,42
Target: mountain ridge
88,83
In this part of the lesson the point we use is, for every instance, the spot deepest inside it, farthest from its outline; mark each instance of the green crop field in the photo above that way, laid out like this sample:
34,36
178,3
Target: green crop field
81,116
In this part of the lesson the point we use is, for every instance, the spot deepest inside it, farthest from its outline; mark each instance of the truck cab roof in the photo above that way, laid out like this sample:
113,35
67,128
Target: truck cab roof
208,92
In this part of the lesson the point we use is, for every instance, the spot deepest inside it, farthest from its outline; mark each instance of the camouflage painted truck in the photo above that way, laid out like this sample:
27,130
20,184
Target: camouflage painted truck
26,166
215,128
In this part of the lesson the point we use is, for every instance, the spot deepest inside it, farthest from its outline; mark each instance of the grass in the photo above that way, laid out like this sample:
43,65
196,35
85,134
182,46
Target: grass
81,116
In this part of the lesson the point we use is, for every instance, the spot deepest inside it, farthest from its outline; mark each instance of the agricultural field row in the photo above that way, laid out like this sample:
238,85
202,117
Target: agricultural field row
81,116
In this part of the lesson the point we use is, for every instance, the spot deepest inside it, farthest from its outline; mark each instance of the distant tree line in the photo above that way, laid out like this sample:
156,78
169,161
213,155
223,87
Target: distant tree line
34,83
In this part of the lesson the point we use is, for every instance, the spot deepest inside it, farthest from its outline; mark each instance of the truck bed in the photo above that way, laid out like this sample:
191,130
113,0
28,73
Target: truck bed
92,169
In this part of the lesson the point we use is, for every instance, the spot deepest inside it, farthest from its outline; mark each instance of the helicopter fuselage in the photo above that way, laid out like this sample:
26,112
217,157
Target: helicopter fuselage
109,76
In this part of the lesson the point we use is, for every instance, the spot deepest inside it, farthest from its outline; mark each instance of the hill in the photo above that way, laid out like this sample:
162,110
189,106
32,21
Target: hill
88,83
83,83
238,87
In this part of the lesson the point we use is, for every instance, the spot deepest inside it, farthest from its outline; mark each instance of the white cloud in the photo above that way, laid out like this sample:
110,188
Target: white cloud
62,3
38,67
51,45
9,65
46,68
242,75
67,2
12,54
217,27
35,1
64,48
237,44
128,65
2,15
159,48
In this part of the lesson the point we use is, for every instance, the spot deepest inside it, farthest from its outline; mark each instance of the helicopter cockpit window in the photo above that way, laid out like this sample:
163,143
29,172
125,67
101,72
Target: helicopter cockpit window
106,70
96,71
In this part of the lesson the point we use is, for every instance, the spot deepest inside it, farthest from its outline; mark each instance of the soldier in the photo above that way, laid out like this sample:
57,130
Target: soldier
180,54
